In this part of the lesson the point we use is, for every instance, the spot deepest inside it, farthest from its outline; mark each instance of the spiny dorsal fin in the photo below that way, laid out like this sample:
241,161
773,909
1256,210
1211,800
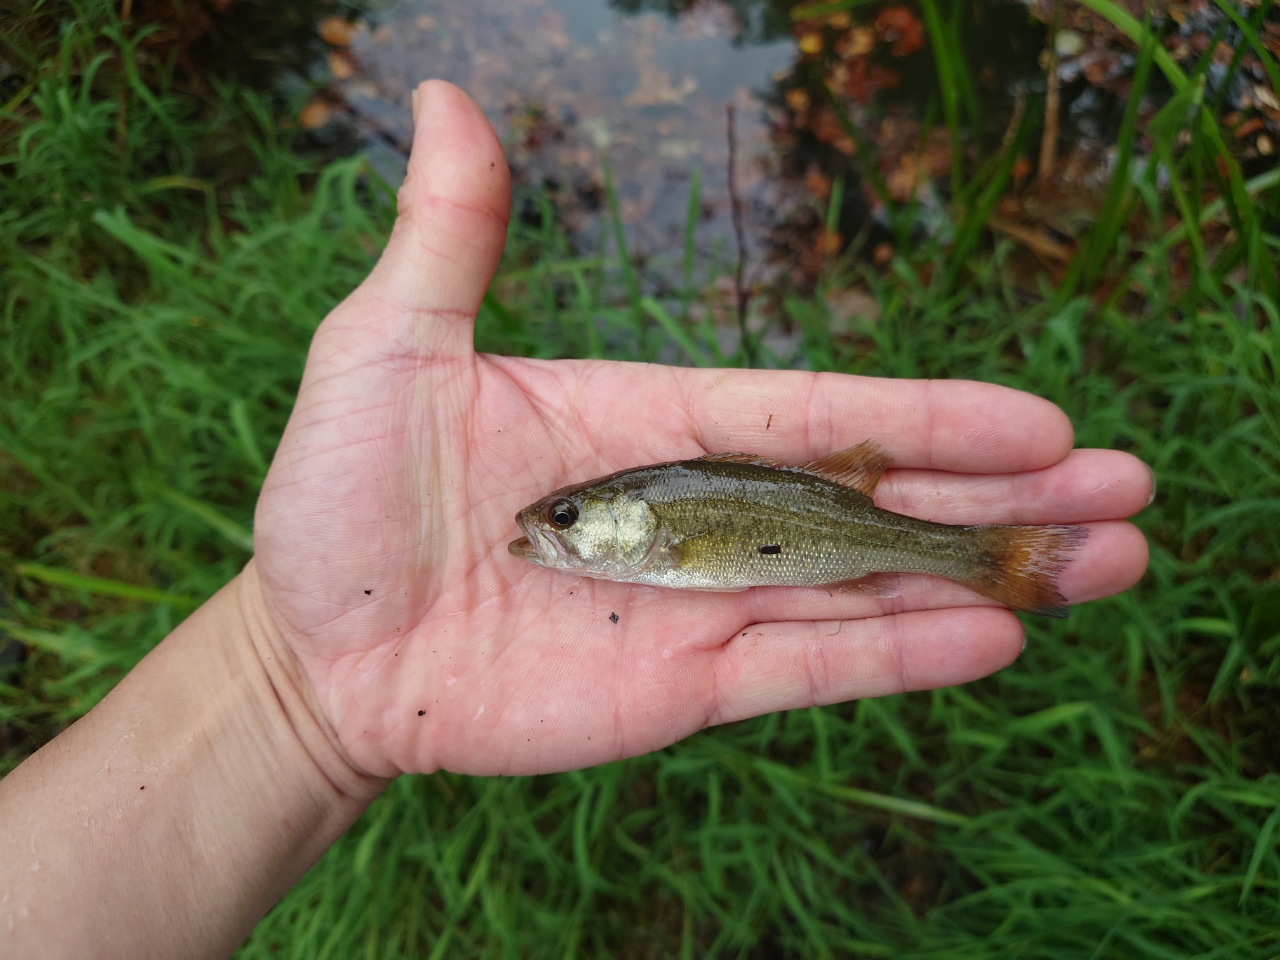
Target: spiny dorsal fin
748,458
858,467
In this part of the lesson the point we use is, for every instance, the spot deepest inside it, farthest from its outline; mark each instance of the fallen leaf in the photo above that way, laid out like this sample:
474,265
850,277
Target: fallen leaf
1033,240
858,42
341,65
337,32
819,183
865,80
810,43
1068,43
828,243
901,27
315,114
901,182
1248,127
798,99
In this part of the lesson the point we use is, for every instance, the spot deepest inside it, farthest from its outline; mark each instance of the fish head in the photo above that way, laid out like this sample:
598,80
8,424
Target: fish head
596,531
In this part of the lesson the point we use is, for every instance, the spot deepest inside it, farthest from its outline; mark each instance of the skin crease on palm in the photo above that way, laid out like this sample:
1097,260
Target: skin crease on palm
382,528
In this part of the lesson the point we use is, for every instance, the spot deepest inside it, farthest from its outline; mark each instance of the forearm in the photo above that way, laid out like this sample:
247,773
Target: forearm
169,819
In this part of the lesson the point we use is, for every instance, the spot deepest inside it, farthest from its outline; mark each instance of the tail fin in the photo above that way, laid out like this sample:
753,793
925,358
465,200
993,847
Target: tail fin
1019,566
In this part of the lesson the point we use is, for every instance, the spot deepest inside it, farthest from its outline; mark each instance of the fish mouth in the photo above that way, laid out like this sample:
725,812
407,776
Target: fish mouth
522,548
538,546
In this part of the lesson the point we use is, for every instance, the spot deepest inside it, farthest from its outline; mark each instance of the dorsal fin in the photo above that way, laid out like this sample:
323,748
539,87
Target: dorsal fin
858,467
751,459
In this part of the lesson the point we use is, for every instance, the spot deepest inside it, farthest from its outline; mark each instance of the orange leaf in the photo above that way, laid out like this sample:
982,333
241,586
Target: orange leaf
337,32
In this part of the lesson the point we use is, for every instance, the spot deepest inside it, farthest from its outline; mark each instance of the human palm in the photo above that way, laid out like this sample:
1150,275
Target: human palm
383,526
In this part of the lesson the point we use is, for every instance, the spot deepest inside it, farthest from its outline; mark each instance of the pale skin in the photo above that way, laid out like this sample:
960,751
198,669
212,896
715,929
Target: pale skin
383,628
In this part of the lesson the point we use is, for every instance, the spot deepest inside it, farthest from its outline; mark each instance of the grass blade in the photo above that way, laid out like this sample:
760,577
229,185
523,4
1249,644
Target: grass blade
225,526
1260,849
102,586
677,333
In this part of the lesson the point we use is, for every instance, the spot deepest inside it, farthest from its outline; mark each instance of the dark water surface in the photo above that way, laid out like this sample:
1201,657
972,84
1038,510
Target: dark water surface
569,84
643,87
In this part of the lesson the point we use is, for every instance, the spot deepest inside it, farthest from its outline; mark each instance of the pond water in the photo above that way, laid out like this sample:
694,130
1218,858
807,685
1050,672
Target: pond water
646,86
569,84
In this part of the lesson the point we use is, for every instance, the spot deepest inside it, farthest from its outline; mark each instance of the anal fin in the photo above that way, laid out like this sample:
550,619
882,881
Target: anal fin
873,585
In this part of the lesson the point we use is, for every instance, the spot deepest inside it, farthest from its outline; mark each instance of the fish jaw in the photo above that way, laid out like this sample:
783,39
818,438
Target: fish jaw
523,549
540,547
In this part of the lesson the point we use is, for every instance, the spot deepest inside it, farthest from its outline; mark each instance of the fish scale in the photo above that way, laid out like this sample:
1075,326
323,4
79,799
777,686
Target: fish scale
720,514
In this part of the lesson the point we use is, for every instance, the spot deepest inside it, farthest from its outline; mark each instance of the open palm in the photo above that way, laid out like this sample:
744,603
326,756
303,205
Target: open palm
382,529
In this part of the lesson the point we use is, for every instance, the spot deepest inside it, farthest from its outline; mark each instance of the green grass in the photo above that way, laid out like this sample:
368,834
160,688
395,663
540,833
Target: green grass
1115,793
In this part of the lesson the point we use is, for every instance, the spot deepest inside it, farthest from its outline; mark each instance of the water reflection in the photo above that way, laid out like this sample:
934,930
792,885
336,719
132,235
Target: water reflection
643,85
570,83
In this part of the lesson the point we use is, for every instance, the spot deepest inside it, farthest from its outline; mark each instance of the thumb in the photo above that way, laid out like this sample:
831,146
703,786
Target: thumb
451,223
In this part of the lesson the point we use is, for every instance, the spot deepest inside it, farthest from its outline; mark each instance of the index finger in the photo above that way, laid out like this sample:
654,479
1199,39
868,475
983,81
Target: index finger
957,425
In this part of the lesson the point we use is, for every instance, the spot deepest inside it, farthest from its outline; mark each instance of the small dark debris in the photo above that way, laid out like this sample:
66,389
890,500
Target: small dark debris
422,713
613,618
771,549
143,787
368,593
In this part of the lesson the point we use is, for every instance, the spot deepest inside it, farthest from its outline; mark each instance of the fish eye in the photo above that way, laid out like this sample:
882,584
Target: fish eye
562,514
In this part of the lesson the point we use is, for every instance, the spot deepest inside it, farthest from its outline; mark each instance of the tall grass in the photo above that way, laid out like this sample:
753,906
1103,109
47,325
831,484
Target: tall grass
1113,794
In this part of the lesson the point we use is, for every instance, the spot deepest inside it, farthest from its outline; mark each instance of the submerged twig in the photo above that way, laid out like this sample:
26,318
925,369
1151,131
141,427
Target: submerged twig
1049,140
741,293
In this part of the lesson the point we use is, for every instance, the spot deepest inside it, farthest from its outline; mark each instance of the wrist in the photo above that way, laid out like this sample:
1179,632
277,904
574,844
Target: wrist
292,700
171,817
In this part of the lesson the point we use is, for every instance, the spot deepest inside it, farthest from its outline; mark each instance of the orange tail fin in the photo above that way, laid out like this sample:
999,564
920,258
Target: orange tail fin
1019,566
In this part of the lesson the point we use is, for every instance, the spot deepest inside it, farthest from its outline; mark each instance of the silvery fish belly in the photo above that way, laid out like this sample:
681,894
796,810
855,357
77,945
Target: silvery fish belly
733,521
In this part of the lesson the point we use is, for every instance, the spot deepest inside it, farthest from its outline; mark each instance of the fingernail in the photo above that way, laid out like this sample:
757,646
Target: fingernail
1151,499
414,105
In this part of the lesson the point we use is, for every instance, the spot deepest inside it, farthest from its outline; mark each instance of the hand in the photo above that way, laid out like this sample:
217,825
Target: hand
383,525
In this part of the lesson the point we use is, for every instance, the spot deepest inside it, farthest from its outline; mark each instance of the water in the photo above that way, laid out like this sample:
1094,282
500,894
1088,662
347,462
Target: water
571,85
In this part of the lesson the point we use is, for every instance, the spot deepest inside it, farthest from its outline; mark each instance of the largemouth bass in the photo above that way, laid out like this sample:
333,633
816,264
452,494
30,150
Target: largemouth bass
729,521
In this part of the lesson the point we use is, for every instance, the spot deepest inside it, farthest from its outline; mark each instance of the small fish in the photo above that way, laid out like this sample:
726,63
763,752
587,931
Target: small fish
729,521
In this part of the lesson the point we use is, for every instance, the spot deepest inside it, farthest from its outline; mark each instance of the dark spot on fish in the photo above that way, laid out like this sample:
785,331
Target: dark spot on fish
770,423
613,618
771,549
422,713
143,787
368,593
